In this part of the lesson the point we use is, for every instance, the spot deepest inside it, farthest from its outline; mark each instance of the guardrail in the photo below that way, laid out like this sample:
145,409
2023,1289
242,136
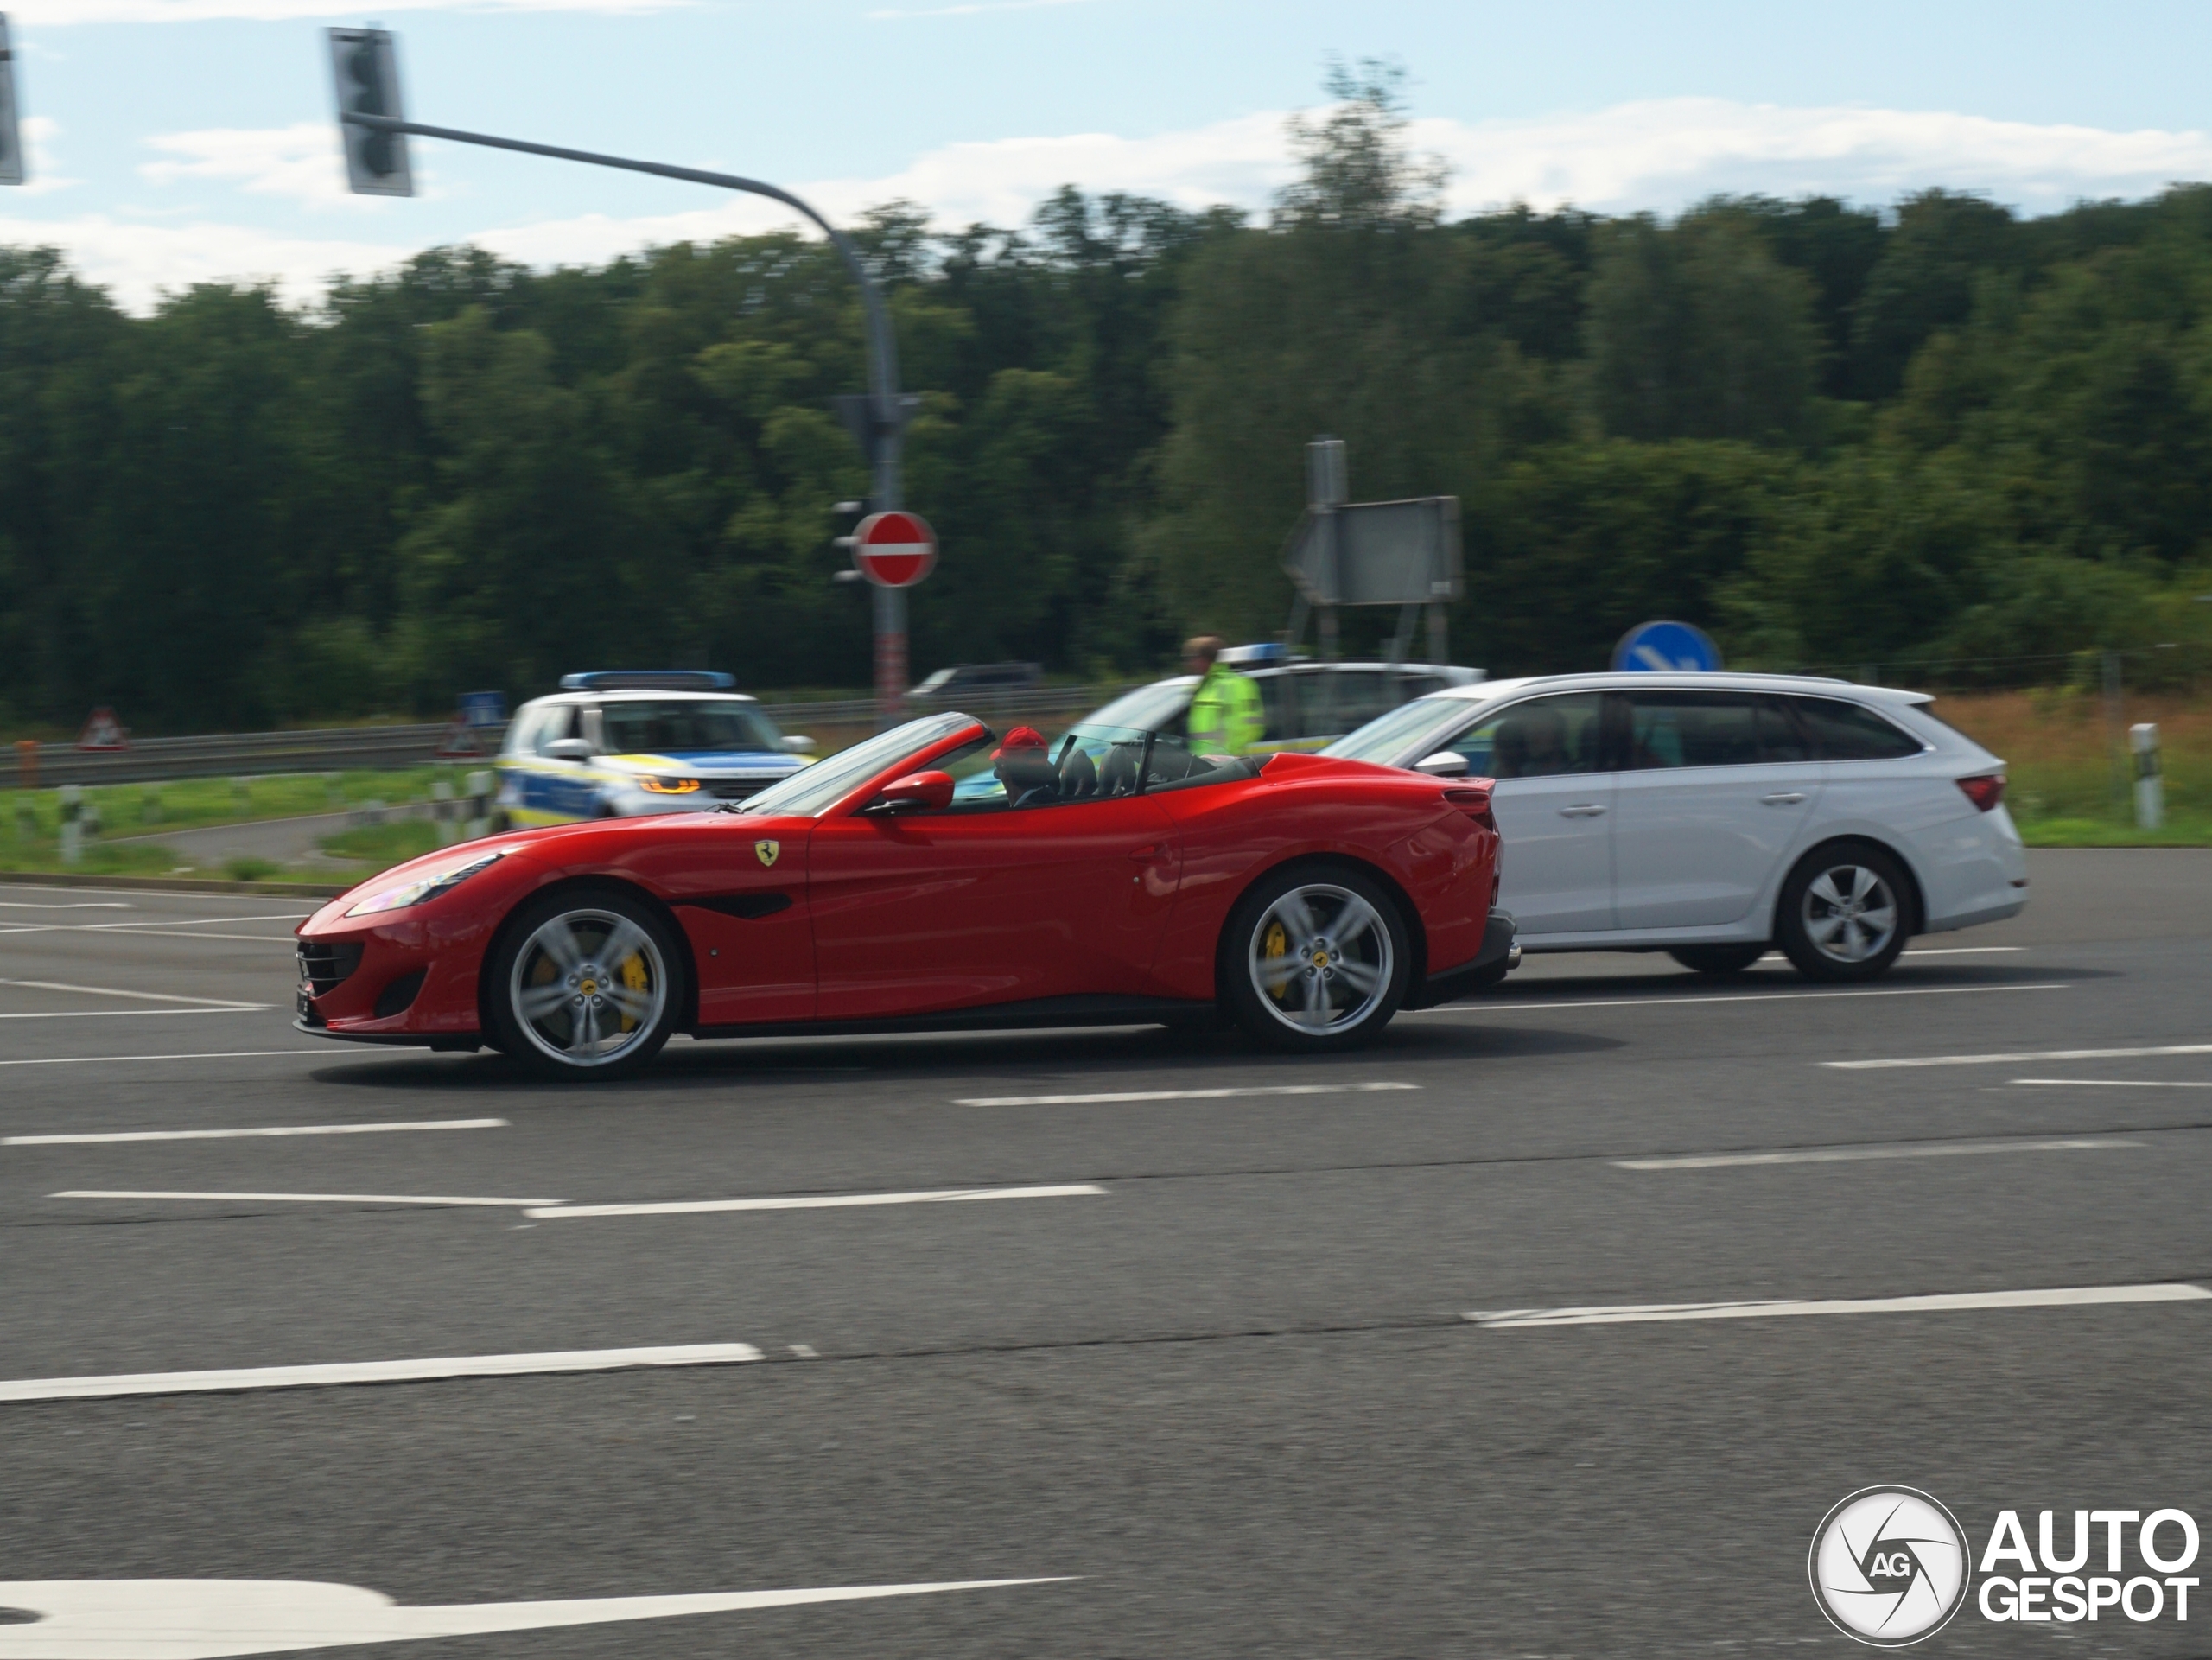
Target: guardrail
334,749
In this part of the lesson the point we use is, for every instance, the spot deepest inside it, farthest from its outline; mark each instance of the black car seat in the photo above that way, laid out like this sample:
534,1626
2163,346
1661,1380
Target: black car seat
1117,774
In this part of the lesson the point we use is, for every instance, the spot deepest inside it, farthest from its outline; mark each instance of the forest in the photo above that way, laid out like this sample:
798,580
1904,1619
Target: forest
1933,435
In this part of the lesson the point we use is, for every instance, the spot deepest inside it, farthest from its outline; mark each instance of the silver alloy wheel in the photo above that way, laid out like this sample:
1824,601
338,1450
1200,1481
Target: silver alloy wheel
1849,913
1320,958
587,986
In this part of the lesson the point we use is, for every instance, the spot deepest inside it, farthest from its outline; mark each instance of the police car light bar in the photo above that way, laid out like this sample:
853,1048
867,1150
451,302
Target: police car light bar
649,680
1272,650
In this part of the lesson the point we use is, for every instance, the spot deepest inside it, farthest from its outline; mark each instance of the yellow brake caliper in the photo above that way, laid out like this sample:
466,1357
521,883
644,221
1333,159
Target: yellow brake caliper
633,974
1274,945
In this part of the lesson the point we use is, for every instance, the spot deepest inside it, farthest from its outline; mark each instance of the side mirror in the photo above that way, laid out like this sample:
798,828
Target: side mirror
795,744
569,749
1445,763
930,790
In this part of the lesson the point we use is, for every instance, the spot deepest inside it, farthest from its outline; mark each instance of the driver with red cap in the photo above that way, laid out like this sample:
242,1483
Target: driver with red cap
1023,764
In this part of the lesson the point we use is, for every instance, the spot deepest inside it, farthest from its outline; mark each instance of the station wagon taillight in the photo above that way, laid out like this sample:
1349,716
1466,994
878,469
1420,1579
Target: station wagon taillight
1475,803
1985,790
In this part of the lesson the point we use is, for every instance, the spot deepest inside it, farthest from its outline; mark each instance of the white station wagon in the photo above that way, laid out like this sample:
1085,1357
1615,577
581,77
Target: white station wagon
1712,815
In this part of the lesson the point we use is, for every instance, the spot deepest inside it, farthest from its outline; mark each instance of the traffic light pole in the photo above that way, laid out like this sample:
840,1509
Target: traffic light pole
888,422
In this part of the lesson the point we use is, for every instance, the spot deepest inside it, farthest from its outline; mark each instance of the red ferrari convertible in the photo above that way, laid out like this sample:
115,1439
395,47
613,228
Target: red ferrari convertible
935,877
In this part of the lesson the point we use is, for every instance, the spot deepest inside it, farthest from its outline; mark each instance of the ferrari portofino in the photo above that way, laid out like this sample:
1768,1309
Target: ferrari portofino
935,877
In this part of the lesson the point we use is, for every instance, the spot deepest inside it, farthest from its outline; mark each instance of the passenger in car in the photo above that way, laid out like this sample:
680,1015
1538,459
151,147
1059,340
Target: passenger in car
1023,764
1532,743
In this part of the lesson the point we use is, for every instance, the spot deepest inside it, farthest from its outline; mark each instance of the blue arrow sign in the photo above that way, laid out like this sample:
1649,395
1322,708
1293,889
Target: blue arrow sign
1667,648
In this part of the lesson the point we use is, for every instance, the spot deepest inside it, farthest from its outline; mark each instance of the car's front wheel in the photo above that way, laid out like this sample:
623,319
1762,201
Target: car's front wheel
584,983
1845,912
1315,959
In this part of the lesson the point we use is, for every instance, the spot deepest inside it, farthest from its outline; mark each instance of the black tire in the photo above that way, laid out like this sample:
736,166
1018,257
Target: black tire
1718,959
553,1006
1337,983
1845,912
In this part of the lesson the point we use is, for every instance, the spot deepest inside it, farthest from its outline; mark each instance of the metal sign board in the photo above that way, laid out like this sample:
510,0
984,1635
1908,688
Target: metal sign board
1667,648
484,707
894,549
1378,552
11,137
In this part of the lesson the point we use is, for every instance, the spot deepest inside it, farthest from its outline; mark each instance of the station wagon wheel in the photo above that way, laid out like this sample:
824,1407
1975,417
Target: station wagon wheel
1845,913
585,985
1315,960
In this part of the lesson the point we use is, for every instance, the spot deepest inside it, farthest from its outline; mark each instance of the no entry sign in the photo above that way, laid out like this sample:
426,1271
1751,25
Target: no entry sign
894,549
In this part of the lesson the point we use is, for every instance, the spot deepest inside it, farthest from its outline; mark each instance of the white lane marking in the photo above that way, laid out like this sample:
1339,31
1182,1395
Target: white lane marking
369,1371
231,1134
133,1014
1961,951
82,904
2015,1056
1631,1314
192,922
217,1054
2119,1083
1848,1154
818,1201
286,940
136,996
1728,999
1176,1095
306,1199
212,1619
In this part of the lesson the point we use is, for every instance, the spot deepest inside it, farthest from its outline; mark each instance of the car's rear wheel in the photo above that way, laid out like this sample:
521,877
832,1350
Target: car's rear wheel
1845,912
585,983
1718,959
1315,957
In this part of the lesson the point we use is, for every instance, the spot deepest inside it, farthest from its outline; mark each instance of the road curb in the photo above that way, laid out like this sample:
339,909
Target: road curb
175,884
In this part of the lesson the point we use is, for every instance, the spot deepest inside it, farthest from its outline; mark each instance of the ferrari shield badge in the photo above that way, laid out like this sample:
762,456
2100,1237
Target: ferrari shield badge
767,850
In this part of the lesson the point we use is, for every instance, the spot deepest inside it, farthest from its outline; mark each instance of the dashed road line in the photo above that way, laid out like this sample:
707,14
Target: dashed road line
1634,1314
550,1208
135,997
1175,1095
215,1054
1729,1000
2120,1083
372,1371
234,1134
1849,1154
2015,1056
445,1200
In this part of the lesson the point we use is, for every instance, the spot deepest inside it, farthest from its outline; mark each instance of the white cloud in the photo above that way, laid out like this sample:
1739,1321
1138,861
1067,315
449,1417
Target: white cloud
1661,154
51,14
39,178
303,162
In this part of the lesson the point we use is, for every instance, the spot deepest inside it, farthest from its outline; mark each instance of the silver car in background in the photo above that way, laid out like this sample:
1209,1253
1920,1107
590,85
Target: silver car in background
1711,816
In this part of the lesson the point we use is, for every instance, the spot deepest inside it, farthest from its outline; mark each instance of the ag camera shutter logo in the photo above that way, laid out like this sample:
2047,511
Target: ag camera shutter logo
1889,1566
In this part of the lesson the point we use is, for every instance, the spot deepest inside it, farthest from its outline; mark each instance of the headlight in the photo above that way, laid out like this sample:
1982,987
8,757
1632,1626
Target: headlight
668,786
428,886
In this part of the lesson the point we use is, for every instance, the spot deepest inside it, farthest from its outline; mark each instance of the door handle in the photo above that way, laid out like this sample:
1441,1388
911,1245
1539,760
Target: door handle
1153,854
1581,809
1784,797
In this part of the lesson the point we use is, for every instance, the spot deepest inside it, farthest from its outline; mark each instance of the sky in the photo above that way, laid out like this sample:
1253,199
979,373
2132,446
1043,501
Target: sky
180,141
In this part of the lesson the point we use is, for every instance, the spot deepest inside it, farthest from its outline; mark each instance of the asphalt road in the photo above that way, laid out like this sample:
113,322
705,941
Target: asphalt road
1218,1379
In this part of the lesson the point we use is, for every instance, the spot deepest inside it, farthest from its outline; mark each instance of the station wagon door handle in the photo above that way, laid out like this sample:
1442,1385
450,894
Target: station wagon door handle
1784,797
1581,809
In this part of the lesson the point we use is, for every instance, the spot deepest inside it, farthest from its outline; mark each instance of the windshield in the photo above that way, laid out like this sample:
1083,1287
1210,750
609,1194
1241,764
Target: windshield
687,725
1407,733
1148,708
817,788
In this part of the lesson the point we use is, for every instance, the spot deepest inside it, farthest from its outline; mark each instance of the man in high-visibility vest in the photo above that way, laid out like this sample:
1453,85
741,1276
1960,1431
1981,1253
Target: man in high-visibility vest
1225,714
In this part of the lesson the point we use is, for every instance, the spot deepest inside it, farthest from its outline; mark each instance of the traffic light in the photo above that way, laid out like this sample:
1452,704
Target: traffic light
367,70
11,139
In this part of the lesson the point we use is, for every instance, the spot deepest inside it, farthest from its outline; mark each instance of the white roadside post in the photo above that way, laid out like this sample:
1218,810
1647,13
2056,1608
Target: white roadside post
441,811
72,828
2149,784
479,805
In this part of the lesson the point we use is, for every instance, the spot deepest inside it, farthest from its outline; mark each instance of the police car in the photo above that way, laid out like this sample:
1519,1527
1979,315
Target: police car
620,745
1307,704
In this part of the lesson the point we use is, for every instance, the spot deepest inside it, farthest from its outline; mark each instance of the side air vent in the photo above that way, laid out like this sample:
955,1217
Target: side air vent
399,996
323,963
